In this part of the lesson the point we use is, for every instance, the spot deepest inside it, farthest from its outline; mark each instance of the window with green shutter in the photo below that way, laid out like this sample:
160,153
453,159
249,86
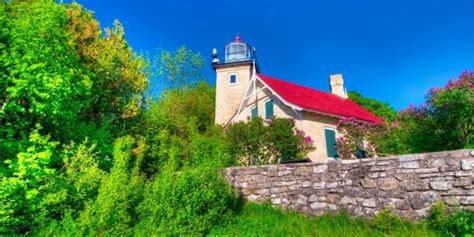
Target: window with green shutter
254,112
269,109
330,136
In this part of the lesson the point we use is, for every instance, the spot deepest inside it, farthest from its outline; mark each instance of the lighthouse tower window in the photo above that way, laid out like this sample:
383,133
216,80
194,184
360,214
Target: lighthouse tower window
232,79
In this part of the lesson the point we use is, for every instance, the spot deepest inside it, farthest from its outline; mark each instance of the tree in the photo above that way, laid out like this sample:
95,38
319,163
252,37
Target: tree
445,121
176,69
59,70
381,109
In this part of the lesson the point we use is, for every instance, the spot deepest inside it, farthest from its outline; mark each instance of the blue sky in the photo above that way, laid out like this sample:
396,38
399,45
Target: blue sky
393,50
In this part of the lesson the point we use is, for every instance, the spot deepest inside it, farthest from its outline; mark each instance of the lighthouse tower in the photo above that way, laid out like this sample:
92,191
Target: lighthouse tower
234,70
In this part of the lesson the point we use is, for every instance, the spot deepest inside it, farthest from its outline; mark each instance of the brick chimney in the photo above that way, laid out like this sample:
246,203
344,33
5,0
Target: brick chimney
337,85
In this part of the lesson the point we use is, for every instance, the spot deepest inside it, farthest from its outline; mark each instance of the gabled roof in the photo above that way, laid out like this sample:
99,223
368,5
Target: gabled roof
317,101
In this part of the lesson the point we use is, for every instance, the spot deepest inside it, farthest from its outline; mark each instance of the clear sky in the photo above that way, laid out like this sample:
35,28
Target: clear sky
391,50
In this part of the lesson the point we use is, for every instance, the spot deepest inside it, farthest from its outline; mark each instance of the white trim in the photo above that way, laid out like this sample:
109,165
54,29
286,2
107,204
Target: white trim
277,95
236,79
329,128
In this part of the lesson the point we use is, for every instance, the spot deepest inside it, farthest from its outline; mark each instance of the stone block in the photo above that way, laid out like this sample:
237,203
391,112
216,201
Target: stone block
318,205
371,202
313,198
348,200
303,171
368,183
306,184
421,200
439,185
467,164
284,172
415,185
426,170
387,183
331,185
410,165
402,205
463,181
468,200
276,201
320,168
463,173
404,176
319,185
437,162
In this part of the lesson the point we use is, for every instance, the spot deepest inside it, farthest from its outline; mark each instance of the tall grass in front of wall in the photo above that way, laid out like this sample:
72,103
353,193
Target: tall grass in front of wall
264,220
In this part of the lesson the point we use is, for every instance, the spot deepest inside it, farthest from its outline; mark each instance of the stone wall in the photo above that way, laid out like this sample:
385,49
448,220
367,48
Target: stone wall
408,183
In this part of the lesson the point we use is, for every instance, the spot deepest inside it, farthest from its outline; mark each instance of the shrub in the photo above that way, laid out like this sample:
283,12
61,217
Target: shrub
188,201
255,142
458,223
30,190
358,137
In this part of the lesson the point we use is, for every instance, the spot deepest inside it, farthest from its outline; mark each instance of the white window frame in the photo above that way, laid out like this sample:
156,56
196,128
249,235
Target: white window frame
236,79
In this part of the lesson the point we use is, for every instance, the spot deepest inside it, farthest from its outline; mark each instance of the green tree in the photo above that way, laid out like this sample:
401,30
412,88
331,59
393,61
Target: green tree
381,109
59,70
177,69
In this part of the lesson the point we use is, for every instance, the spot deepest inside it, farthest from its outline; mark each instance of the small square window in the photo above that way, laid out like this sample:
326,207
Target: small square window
233,79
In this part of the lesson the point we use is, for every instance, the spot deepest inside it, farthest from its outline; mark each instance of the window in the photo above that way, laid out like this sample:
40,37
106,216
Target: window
330,136
233,79
269,109
254,113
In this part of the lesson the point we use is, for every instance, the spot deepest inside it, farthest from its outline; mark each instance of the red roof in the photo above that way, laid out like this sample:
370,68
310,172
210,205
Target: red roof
318,101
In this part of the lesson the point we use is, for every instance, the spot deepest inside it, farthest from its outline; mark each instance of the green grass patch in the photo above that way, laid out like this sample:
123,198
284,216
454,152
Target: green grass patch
264,220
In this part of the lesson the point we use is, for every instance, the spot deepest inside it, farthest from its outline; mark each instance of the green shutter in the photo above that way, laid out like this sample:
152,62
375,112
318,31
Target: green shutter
254,112
330,142
269,109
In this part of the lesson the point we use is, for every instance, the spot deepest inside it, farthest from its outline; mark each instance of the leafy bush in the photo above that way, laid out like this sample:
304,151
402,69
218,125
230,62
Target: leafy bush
458,223
29,192
189,201
255,142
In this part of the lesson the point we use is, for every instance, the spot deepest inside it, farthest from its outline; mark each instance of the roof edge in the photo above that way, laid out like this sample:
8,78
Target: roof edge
315,111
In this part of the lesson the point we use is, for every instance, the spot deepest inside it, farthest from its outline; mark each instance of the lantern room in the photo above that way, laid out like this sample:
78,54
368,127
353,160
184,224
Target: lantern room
235,52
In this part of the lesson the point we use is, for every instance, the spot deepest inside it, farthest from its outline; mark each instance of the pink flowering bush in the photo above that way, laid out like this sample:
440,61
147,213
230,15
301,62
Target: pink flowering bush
445,121
358,136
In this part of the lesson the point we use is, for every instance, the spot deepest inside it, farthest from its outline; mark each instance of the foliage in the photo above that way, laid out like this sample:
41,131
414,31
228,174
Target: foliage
458,223
177,69
255,142
380,109
60,71
264,220
176,118
445,121
28,189
189,201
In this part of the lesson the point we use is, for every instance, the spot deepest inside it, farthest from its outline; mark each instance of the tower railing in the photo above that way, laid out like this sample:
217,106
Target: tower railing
235,57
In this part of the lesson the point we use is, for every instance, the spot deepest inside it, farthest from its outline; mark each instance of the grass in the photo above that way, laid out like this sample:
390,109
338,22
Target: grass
263,220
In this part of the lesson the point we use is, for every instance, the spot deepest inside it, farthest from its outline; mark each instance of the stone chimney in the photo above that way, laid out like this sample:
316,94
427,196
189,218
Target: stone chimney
337,85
